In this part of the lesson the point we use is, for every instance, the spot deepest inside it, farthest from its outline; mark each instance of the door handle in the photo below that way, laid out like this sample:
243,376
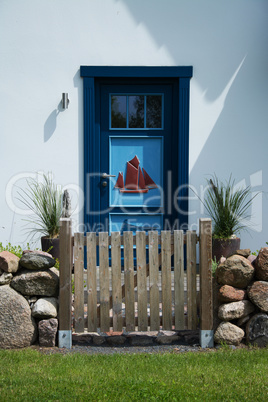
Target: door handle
105,175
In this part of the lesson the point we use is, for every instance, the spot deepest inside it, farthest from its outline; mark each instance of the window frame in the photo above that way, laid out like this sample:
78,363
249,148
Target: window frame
127,112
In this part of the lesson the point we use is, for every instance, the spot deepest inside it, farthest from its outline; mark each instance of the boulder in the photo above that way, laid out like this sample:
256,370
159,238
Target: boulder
46,307
17,327
216,302
9,262
258,294
235,310
236,271
252,258
167,337
98,339
37,283
257,330
229,294
37,252
228,333
47,332
36,261
222,259
261,264
141,338
243,252
115,340
5,277
82,339
243,320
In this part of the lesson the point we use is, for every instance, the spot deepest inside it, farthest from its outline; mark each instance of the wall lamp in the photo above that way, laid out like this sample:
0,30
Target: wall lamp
65,101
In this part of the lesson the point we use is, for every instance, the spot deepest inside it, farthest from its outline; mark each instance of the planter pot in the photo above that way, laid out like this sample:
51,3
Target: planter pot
224,247
52,246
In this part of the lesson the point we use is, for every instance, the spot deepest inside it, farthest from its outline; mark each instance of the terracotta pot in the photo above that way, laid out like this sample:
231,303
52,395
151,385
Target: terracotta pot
224,247
52,246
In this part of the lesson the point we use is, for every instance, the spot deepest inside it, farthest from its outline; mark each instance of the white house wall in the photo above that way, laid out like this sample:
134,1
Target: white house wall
43,44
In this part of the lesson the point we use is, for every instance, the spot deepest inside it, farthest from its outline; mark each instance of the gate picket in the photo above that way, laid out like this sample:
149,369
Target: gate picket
166,280
91,282
153,275
104,282
116,281
142,282
129,281
191,280
79,282
179,279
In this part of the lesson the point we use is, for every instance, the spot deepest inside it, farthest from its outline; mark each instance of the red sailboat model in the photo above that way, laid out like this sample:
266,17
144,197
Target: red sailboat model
137,180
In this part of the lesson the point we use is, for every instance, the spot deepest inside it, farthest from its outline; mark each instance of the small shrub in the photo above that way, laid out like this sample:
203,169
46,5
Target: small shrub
17,250
214,266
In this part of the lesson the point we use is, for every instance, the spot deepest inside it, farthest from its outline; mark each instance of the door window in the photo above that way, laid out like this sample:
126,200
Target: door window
136,111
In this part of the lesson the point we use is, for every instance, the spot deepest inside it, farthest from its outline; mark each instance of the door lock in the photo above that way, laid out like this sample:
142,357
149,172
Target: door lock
104,184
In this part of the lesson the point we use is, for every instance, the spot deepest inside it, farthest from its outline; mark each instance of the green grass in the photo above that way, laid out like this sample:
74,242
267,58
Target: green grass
225,375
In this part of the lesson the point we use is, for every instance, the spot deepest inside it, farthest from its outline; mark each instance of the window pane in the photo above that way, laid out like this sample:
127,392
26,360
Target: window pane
136,111
154,111
118,111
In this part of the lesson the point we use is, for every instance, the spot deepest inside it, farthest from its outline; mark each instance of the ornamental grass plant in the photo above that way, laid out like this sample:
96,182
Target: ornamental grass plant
227,206
44,200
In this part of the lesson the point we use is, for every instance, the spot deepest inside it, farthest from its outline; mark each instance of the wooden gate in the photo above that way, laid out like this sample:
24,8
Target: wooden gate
139,283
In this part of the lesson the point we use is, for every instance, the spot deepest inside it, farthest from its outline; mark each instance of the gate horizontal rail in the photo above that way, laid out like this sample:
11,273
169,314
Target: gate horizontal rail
116,307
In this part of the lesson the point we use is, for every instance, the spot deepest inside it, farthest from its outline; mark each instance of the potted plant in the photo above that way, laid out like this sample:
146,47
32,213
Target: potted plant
227,207
44,199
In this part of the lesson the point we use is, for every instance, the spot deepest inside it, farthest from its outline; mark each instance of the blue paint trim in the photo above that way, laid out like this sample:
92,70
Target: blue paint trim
183,150
139,72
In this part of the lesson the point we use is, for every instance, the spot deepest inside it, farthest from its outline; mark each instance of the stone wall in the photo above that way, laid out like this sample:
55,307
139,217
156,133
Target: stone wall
241,299
29,289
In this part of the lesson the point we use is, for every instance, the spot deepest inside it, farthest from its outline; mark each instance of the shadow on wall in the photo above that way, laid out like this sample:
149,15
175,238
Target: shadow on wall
51,122
226,45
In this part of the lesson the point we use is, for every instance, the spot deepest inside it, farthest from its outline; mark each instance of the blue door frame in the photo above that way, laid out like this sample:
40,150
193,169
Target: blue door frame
93,79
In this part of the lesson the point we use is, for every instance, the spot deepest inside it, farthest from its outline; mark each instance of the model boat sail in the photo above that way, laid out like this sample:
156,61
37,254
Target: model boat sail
137,180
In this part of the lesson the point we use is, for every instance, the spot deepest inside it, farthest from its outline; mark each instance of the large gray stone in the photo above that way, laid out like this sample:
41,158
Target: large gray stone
17,327
235,310
258,294
37,252
37,283
46,307
36,261
47,332
261,264
235,271
228,333
257,330
5,277
9,262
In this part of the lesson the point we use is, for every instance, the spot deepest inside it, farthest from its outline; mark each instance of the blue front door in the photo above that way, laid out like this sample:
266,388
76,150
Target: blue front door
136,144
137,157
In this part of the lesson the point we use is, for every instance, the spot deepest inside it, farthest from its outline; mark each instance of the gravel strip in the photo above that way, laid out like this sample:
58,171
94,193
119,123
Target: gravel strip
111,350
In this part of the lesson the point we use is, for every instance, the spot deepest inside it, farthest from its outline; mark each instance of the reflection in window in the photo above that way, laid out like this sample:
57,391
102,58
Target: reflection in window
119,111
136,111
154,111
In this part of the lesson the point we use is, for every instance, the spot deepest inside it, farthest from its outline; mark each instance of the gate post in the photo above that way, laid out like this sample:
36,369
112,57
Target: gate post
206,299
65,299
